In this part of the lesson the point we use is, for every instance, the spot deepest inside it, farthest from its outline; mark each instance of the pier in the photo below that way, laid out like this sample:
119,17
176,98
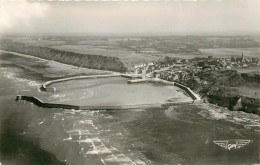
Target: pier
40,103
193,95
44,87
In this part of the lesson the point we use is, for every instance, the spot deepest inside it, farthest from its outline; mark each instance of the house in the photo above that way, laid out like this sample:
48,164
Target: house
210,57
228,67
255,60
176,77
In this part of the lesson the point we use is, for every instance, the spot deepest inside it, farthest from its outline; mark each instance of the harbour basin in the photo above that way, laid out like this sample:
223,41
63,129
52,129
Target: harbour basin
114,91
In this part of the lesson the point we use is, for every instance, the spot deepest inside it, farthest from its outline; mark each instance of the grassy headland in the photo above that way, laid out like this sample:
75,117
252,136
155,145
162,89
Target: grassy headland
99,62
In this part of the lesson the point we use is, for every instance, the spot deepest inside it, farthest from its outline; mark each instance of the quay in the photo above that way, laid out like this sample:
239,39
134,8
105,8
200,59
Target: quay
193,95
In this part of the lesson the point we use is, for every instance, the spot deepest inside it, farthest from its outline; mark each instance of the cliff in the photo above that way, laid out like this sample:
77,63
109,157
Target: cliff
236,103
82,60
229,88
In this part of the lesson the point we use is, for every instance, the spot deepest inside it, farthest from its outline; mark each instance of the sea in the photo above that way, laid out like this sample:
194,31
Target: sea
181,134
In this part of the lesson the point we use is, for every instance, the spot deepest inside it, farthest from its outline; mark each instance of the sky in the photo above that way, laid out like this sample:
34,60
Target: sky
161,17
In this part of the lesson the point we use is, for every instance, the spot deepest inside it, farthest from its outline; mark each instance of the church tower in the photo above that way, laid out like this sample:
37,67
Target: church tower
242,59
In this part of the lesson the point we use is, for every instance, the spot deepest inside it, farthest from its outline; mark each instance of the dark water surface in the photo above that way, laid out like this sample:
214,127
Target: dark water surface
175,135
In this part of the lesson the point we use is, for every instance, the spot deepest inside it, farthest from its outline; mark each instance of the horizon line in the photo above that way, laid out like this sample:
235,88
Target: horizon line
135,34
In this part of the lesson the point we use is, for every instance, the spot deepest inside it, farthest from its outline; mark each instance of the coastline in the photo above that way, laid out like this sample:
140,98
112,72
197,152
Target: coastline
121,105
59,136
114,74
80,60
56,64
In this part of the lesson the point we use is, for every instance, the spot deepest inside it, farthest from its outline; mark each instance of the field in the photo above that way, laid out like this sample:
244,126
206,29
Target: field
230,52
128,57
247,92
143,49
251,70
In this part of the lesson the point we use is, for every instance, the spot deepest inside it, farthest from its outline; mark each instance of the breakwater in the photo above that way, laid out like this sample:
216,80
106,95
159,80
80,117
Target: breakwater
134,79
153,80
44,86
193,95
40,103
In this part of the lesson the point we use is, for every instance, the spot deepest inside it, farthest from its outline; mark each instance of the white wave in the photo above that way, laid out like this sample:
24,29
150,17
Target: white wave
25,90
81,121
139,162
58,95
96,139
82,97
62,100
10,75
72,111
23,133
69,117
99,150
84,141
252,125
84,132
119,134
238,119
123,159
33,83
113,148
89,93
217,115
69,111
90,122
213,112
108,116
103,161
78,132
111,158
86,112
41,122
94,152
66,139
106,130
57,113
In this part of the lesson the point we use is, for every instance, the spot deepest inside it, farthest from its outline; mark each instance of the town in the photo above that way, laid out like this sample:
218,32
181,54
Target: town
220,81
176,69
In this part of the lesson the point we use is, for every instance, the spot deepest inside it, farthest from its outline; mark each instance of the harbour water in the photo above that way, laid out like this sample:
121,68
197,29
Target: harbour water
114,91
183,134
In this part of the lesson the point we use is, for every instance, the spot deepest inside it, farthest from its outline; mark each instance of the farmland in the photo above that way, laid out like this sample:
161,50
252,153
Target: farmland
132,50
